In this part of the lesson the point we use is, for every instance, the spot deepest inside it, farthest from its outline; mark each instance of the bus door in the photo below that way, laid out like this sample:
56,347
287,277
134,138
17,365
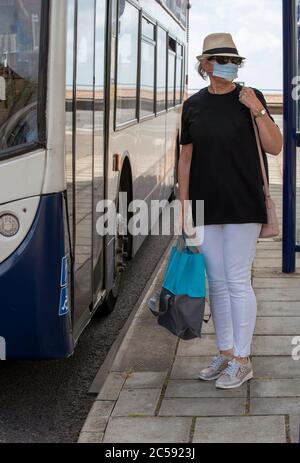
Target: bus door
85,152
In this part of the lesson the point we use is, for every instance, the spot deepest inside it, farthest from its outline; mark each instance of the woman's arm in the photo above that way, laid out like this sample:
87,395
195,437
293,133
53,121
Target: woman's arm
183,176
269,132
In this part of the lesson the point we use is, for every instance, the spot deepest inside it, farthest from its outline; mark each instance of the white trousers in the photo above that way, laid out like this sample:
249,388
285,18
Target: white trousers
229,250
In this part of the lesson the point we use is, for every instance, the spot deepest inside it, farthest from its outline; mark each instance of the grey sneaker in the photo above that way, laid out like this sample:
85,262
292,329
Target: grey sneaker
235,375
215,368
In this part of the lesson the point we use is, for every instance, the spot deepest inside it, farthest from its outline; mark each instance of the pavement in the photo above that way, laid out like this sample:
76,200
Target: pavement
151,393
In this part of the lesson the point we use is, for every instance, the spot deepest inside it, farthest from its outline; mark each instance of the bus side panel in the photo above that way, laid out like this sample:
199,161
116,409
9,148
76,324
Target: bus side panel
33,320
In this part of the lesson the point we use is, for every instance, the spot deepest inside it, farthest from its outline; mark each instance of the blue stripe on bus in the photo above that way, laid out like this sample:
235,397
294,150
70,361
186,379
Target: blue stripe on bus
30,289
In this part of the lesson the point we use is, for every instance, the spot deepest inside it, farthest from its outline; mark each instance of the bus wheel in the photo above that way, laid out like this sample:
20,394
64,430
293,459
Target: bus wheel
120,256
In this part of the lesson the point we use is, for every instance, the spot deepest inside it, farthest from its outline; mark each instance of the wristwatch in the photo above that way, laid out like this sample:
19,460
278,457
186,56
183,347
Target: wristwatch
260,113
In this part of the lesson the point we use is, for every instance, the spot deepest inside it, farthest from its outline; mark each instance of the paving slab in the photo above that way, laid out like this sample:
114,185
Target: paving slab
272,345
145,380
202,407
198,388
275,367
90,437
267,253
277,294
275,388
278,309
188,367
278,325
98,416
139,350
148,430
275,406
268,244
137,402
287,282
245,429
294,421
112,386
206,345
273,272
261,262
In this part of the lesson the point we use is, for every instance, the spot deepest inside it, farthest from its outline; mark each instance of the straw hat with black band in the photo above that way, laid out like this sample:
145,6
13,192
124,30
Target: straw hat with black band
220,44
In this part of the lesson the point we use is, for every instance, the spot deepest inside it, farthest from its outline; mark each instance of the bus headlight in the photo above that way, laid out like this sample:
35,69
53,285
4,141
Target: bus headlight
9,225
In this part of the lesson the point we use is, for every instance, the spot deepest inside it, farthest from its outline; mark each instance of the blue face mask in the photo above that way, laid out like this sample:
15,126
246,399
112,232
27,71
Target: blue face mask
227,71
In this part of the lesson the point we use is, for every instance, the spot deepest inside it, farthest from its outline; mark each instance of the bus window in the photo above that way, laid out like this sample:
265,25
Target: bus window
126,105
178,8
147,68
19,67
161,102
148,29
171,72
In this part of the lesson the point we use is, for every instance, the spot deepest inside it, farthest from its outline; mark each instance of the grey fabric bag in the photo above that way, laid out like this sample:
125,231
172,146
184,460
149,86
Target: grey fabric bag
180,314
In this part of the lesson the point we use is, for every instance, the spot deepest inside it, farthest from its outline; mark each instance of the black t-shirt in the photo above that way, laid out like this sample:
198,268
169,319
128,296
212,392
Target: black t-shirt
225,168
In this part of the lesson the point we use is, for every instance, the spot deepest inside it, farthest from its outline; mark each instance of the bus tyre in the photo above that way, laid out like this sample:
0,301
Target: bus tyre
122,253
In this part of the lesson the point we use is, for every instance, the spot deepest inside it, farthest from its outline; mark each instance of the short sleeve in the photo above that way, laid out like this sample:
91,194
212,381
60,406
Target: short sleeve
185,138
262,99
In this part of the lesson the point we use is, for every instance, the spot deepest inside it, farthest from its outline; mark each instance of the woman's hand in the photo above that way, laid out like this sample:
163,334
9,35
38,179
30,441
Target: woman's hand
181,221
185,219
269,132
179,224
250,100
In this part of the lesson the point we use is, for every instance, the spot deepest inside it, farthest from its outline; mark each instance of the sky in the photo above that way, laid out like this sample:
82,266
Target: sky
256,27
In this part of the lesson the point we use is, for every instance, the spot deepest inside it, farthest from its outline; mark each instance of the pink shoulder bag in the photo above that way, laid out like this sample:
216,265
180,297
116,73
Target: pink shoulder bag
270,229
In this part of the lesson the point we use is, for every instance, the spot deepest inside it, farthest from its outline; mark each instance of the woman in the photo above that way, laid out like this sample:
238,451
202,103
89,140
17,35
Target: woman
219,164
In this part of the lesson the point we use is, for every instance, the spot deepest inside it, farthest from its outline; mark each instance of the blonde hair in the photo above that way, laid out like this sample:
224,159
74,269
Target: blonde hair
200,68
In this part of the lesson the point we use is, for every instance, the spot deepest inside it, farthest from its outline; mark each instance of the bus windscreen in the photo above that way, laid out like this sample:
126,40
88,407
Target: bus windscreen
20,25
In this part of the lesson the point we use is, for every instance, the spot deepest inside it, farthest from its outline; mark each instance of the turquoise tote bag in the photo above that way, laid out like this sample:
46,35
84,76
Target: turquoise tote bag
185,272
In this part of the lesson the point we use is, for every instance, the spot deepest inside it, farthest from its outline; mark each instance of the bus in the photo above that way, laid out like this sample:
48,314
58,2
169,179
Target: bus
91,93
